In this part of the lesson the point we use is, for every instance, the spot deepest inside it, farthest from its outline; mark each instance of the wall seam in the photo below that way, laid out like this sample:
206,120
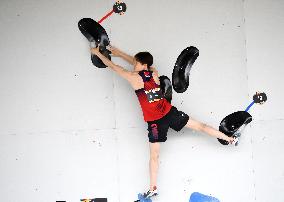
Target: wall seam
248,96
110,2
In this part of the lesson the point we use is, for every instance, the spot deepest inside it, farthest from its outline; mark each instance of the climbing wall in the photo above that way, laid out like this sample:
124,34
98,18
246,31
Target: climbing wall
71,131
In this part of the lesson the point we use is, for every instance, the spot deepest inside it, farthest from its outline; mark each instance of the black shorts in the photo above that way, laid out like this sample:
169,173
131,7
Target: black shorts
173,119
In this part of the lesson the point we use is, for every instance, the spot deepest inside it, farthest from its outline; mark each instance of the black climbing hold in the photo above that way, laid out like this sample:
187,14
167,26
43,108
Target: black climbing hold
166,87
231,123
95,33
180,75
97,61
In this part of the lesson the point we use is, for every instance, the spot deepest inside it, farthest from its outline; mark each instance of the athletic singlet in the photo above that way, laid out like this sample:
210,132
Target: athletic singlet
151,99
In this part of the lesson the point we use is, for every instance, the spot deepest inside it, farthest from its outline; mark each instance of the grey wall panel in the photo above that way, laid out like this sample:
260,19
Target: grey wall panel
47,79
265,48
268,160
69,130
59,166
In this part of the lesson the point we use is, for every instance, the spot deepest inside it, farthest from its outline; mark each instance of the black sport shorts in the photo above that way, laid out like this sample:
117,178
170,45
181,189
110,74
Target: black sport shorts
173,119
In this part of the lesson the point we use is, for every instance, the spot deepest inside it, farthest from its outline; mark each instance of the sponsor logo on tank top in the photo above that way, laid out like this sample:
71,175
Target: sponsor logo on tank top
147,74
154,128
154,95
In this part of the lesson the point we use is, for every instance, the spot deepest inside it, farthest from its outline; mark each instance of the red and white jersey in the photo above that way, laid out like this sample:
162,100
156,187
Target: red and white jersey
154,105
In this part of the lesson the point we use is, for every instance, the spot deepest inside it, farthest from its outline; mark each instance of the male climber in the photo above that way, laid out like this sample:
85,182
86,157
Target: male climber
157,111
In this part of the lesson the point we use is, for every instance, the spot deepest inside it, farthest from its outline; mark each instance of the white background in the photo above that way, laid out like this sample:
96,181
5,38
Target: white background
69,130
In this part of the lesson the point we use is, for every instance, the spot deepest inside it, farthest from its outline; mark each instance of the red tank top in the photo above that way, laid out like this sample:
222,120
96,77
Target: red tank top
151,99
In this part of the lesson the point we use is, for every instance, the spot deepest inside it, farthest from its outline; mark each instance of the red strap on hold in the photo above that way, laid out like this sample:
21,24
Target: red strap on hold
105,17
